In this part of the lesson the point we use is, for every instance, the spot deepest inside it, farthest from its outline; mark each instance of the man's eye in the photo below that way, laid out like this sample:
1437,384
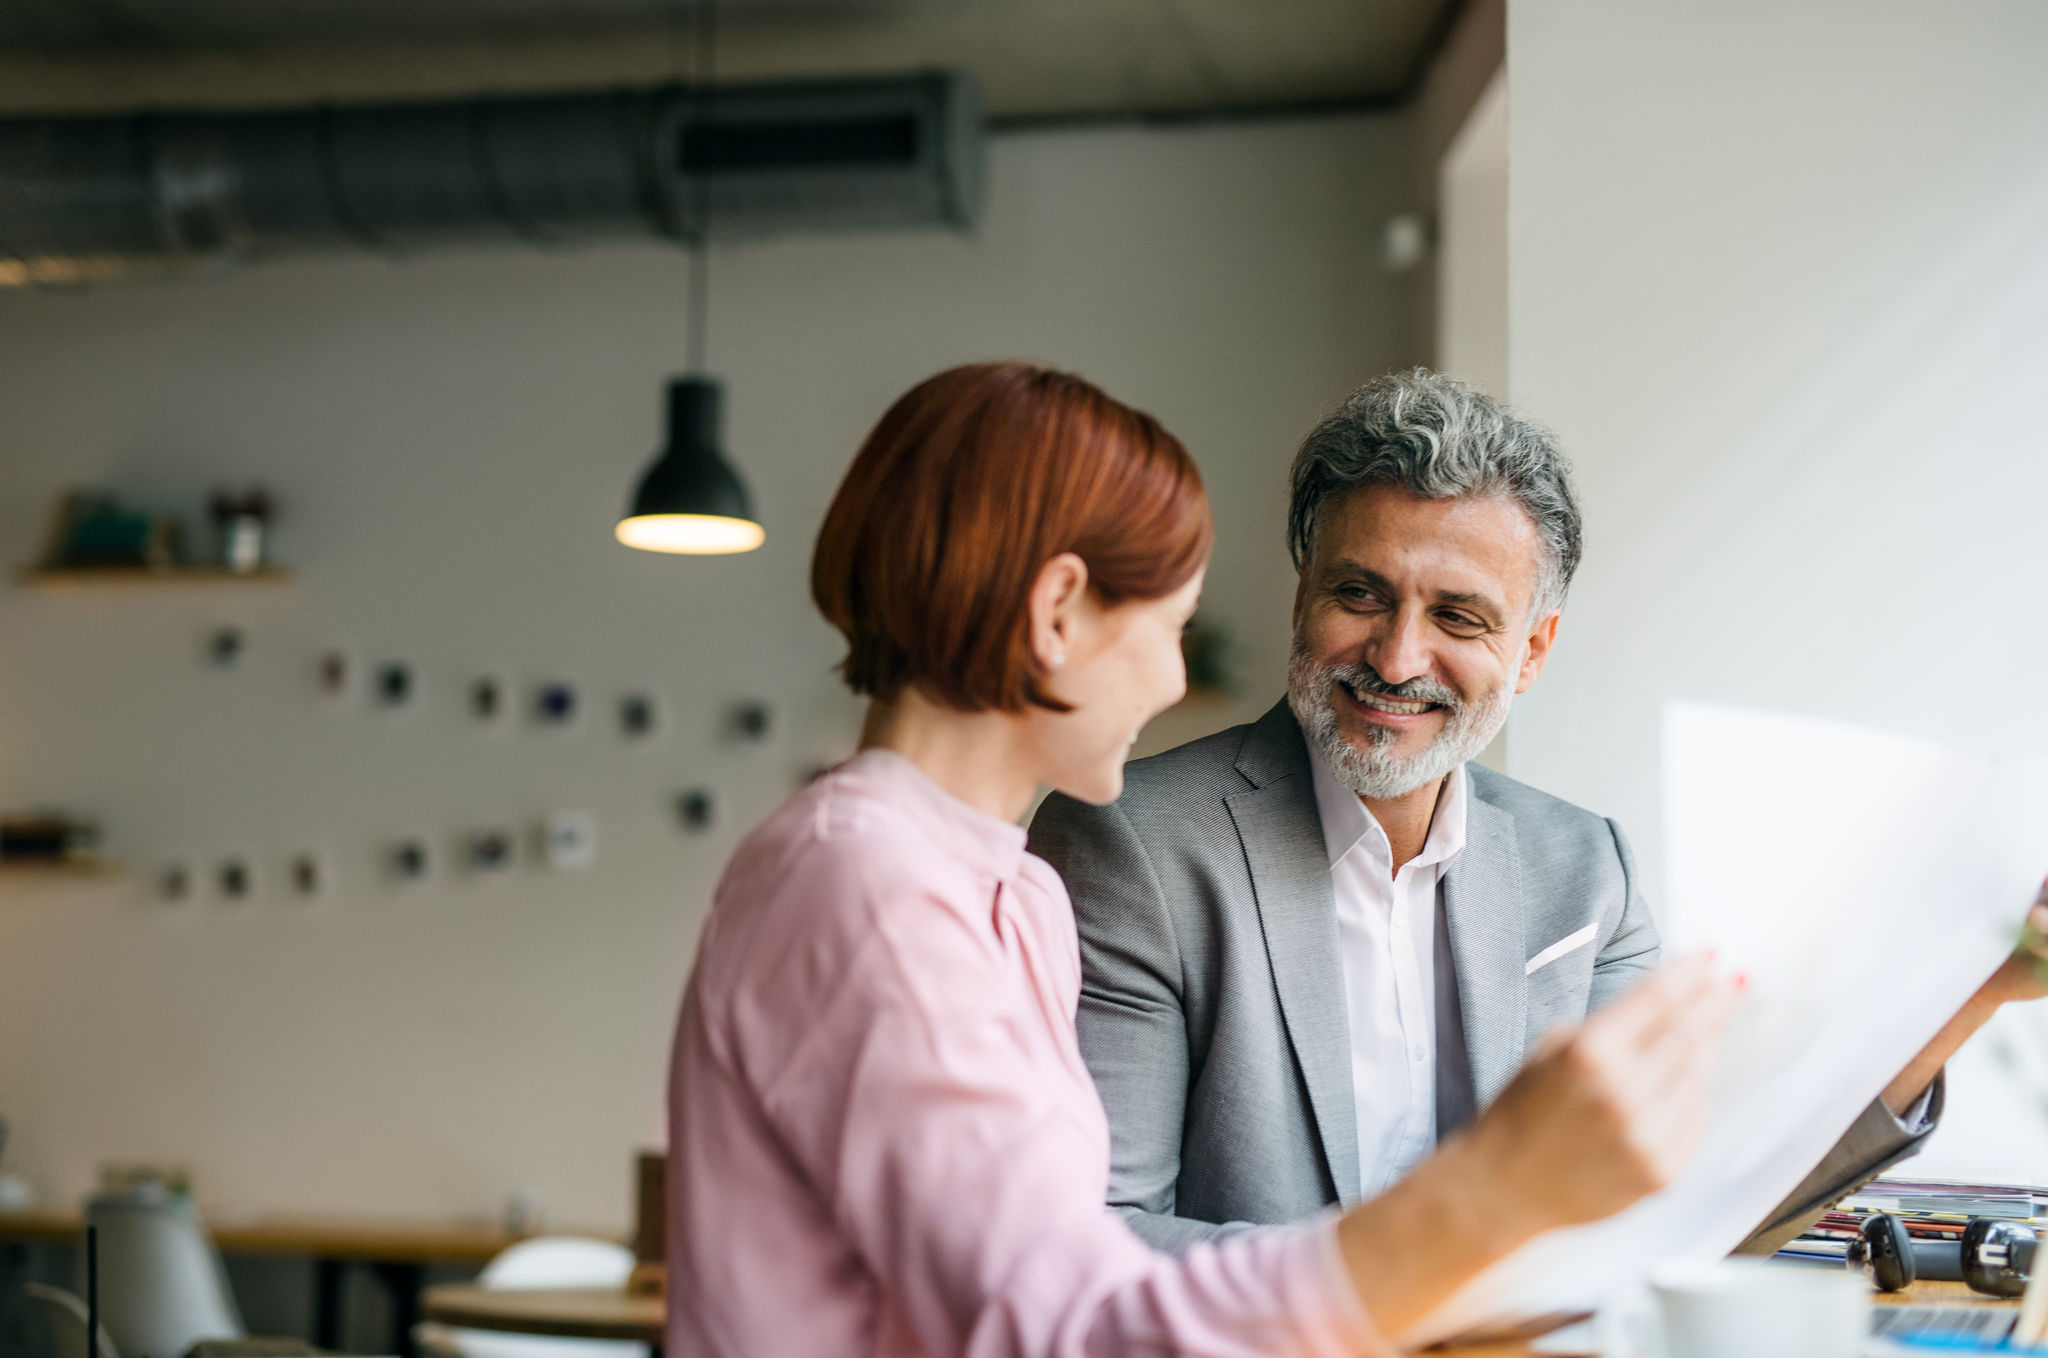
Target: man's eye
1355,594
1460,622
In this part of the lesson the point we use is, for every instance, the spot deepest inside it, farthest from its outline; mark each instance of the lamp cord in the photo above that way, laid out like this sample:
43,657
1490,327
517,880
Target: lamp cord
704,50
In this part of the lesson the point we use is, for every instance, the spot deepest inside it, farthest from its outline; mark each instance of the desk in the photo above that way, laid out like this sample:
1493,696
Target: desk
1919,1294
584,1313
592,1314
398,1252
575,1313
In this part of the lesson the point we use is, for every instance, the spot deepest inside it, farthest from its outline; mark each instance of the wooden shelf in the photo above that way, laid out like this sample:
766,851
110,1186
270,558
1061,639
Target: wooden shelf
91,869
571,1312
68,576
368,1240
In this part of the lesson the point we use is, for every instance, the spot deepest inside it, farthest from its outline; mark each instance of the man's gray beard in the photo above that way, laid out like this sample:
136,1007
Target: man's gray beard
1372,771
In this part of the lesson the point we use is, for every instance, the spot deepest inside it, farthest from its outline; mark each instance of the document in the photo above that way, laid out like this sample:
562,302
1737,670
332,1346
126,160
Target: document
1868,883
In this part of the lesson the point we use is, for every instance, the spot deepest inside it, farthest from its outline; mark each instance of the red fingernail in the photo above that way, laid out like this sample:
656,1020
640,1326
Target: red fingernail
1742,980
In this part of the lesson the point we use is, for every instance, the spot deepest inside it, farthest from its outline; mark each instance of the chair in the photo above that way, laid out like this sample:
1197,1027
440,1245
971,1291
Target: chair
65,1317
545,1261
162,1284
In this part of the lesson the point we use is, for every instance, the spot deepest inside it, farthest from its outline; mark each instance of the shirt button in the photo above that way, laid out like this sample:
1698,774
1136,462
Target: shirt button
1418,1053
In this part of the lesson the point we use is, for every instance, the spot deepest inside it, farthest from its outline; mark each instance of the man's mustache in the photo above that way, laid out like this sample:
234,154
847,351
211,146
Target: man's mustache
1363,678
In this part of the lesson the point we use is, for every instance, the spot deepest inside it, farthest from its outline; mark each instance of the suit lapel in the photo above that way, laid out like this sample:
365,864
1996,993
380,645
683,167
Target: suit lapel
1483,911
1282,836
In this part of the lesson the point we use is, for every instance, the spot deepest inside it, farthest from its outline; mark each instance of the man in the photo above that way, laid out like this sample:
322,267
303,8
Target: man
1317,944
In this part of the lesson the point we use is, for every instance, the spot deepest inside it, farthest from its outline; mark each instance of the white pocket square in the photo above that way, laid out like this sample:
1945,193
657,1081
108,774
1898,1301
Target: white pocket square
1577,939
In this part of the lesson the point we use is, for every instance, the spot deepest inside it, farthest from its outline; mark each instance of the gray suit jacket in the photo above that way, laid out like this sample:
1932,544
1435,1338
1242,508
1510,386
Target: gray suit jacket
1212,1008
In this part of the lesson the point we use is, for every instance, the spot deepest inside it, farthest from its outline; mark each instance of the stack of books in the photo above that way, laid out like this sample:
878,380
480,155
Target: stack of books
1933,1209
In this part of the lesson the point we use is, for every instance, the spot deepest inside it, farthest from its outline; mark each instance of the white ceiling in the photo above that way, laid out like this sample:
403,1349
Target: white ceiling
1035,58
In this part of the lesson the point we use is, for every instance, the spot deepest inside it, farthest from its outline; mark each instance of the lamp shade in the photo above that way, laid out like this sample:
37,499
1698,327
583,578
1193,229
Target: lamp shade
691,500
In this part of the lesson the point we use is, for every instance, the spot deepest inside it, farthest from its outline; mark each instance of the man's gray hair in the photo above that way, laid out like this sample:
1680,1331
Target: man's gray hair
1435,438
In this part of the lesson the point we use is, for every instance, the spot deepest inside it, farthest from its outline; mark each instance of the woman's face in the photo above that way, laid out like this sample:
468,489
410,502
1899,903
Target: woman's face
1122,668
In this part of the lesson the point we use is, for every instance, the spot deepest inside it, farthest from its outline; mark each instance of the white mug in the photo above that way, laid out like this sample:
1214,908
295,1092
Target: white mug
1751,1308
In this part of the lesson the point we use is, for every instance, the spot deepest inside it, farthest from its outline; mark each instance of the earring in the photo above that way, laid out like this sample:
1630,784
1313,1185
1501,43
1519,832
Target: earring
1059,659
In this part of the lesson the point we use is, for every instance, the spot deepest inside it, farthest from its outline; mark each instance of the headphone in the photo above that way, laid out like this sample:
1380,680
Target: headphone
1994,1257
1998,1256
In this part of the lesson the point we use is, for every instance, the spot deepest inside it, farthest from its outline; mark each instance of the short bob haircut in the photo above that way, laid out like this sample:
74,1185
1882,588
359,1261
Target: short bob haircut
966,488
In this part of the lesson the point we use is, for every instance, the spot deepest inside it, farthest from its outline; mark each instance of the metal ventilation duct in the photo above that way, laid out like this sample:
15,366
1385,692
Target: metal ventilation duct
88,199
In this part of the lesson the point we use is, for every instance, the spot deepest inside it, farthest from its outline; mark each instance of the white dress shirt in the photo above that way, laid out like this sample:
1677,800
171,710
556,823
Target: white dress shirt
1386,935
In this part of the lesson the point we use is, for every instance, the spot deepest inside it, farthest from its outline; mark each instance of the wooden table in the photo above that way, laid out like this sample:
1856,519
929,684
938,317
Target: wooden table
605,1314
398,1253
590,1314
574,1313
585,1313
1919,1294
363,1240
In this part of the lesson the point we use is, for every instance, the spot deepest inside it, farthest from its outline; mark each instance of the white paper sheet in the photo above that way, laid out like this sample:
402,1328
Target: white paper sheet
1867,883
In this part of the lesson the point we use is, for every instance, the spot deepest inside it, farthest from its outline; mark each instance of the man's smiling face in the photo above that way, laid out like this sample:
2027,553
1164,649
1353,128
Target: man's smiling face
1412,632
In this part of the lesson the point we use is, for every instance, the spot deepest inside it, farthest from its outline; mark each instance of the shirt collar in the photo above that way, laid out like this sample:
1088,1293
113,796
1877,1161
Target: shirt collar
1347,824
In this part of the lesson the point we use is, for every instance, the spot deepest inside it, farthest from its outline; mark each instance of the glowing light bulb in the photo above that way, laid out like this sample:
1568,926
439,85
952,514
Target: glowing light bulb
690,534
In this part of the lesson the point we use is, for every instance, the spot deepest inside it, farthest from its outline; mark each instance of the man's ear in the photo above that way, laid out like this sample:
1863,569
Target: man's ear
1057,596
1536,652
1300,593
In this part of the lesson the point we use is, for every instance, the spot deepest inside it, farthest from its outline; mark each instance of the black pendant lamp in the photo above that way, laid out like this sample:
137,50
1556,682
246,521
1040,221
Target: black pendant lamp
691,500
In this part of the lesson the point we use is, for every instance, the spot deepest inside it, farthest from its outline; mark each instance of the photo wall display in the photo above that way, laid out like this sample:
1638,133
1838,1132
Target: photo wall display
489,700
560,840
383,686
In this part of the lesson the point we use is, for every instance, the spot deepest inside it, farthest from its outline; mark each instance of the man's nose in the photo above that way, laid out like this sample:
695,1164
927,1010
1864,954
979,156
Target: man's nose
1398,649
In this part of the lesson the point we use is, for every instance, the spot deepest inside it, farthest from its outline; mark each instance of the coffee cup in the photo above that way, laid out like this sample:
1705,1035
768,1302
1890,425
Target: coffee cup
1752,1308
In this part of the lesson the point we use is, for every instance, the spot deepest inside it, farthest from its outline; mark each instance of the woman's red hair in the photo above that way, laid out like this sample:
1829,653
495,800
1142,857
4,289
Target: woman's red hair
966,488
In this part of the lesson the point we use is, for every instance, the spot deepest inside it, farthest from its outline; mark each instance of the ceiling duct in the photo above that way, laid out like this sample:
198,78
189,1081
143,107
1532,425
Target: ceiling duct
87,199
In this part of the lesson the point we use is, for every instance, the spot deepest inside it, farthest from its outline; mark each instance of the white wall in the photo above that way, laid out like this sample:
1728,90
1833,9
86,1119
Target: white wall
1780,280
452,436
1472,254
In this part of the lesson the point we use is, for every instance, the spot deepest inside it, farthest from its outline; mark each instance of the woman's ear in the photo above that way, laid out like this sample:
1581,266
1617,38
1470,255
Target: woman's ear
1057,597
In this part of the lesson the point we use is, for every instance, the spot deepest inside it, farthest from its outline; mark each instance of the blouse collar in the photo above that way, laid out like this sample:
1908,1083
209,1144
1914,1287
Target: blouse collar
969,833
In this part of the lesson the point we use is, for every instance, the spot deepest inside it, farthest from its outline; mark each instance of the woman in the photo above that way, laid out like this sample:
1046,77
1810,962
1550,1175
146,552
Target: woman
882,1137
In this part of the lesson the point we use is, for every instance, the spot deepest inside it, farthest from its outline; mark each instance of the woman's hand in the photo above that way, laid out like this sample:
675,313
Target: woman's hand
1603,1114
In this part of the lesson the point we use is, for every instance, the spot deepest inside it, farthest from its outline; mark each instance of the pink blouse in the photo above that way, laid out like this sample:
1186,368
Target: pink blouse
882,1138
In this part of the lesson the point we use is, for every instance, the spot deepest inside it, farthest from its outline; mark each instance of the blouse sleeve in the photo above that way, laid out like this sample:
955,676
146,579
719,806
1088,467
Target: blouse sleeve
910,1085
